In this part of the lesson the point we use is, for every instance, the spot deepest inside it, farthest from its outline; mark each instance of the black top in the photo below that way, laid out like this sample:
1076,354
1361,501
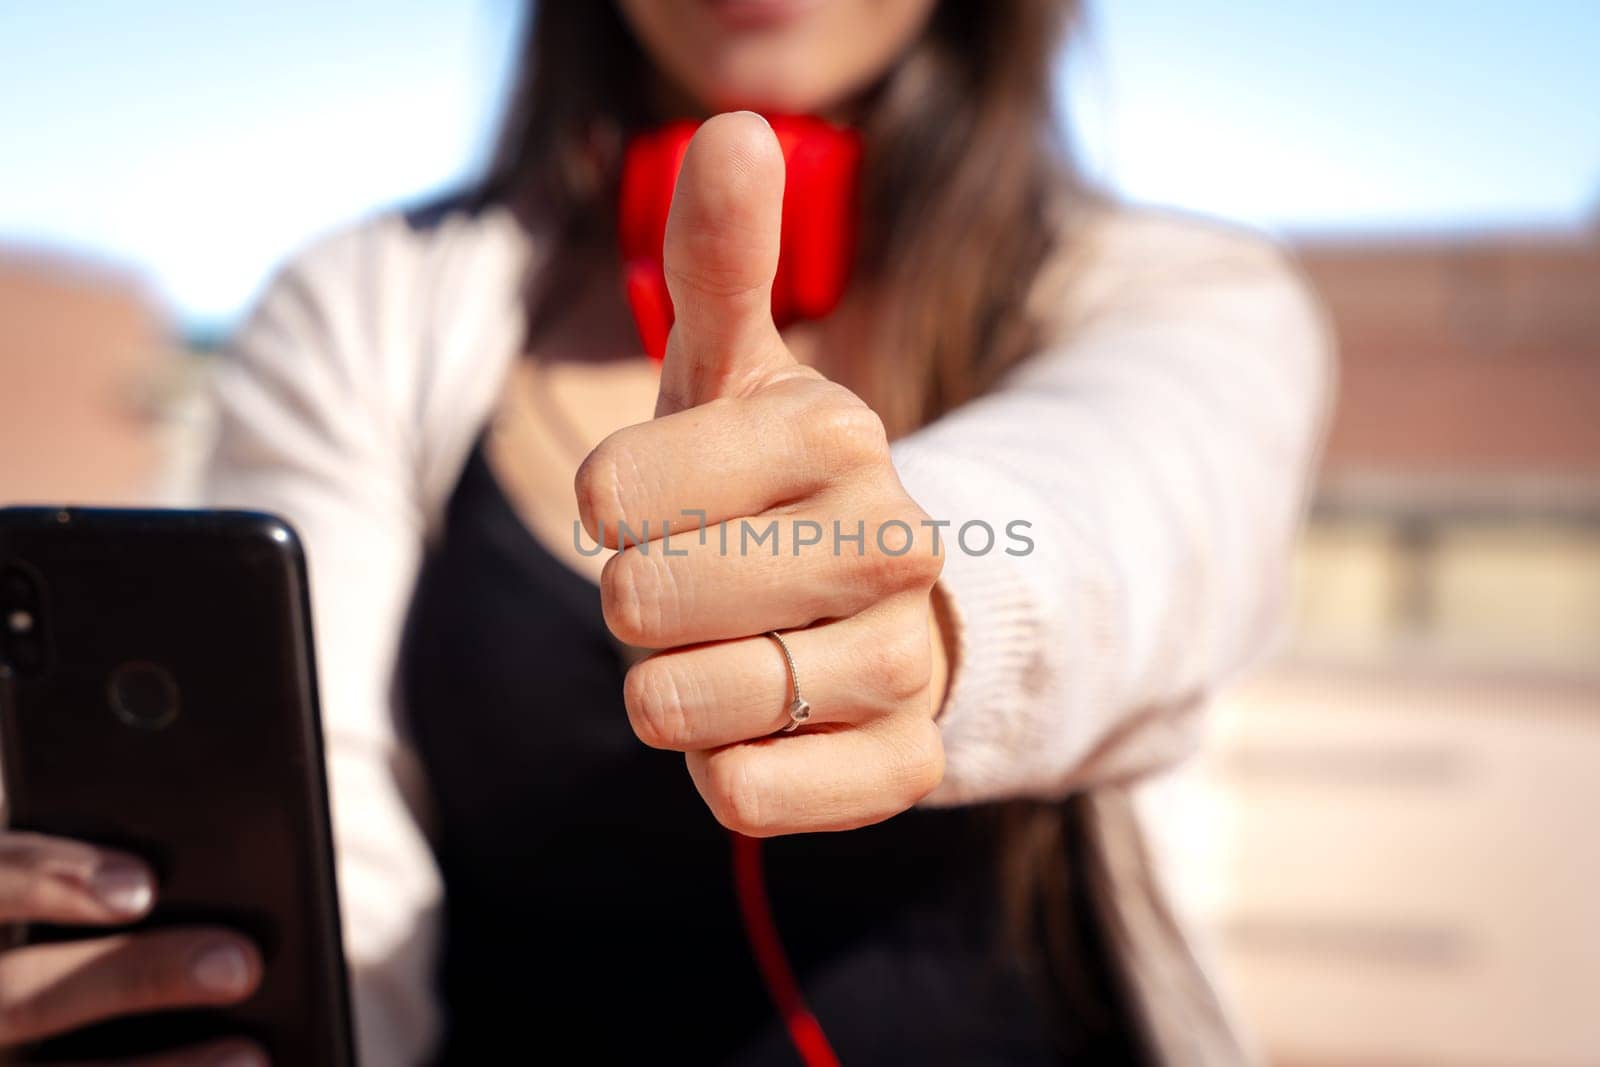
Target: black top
589,895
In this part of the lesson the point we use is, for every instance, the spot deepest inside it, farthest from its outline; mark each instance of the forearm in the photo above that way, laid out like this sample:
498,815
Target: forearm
1160,463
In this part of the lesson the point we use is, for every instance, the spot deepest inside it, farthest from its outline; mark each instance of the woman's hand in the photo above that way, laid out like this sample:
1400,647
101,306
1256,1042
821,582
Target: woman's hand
49,989
818,538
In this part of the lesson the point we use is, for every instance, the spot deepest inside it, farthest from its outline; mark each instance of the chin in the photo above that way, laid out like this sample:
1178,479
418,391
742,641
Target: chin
797,56
771,88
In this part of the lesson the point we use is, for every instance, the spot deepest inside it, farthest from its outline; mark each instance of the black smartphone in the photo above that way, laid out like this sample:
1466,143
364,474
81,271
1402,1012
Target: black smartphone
158,694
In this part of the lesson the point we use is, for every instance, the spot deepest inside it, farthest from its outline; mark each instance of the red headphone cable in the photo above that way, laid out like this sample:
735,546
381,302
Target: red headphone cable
750,884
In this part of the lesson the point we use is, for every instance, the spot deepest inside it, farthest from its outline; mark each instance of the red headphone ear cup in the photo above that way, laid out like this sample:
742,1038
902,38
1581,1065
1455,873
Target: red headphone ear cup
649,175
817,244
645,285
820,232
791,134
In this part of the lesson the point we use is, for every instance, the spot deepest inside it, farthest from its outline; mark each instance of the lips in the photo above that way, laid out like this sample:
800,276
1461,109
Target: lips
759,14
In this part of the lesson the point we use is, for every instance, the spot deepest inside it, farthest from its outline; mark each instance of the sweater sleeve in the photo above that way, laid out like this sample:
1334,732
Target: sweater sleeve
308,429
1158,456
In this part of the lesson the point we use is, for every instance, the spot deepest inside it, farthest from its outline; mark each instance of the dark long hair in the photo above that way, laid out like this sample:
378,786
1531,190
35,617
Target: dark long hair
964,167
965,174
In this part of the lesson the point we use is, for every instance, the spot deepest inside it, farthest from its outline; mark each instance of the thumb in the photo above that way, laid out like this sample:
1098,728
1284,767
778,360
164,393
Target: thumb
720,257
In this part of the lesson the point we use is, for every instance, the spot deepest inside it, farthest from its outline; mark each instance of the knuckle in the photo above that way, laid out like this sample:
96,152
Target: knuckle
878,573
930,566
655,706
922,762
735,795
923,564
905,661
598,484
630,598
847,431
899,555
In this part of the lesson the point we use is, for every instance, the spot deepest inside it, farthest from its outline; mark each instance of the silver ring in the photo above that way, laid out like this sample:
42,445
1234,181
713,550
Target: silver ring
799,710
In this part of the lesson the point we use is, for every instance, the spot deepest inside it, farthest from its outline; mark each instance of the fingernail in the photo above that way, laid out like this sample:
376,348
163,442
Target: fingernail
223,969
124,887
241,1057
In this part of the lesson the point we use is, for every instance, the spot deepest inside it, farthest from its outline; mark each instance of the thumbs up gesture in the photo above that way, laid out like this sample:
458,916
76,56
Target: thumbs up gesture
762,499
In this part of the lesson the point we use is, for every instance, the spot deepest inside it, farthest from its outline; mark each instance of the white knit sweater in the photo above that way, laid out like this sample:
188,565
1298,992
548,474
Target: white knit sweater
1160,451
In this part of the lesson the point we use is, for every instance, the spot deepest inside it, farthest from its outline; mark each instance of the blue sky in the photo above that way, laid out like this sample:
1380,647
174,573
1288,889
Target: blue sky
200,143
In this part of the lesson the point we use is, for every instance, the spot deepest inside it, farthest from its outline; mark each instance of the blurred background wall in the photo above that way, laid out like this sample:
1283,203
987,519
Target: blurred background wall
84,361
1394,842
1390,841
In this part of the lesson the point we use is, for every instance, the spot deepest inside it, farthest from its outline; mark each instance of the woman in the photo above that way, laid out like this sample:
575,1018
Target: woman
1134,400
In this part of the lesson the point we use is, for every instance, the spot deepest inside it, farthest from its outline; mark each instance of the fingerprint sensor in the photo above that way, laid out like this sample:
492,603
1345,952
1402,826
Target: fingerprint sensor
144,695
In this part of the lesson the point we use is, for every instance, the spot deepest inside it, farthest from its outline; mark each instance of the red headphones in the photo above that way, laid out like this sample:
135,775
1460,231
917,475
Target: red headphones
820,209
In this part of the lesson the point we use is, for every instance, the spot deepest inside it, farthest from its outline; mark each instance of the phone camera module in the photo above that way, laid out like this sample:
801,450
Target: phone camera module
21,629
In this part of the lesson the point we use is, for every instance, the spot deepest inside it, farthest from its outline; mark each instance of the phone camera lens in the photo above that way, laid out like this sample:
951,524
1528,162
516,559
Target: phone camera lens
144,695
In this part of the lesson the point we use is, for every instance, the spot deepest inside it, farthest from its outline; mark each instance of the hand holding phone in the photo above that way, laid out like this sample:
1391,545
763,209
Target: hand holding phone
51,989
162,752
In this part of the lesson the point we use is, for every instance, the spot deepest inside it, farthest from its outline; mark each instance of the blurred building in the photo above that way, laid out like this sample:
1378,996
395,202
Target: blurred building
1468,359
87,369
1396,851
1463,471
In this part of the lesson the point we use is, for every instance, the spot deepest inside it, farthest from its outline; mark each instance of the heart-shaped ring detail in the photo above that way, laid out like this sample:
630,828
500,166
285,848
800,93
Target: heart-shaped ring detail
799,712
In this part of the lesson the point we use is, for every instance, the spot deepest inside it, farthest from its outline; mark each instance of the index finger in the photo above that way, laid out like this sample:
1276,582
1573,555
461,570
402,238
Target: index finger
55,879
